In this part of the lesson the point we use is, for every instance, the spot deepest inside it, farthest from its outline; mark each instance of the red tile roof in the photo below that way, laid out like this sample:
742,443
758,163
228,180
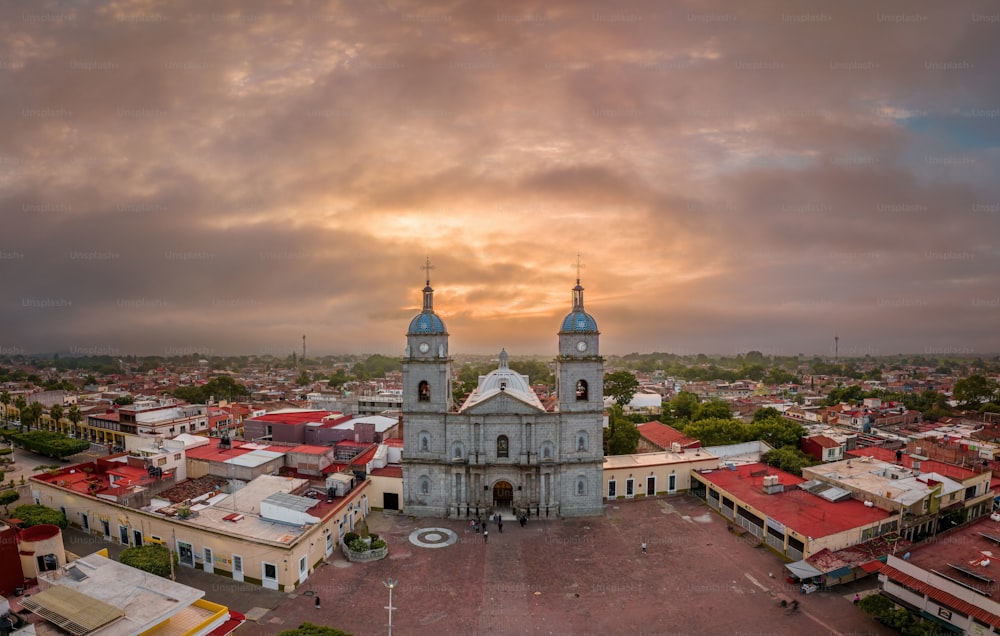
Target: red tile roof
824,442
663,435
795,508
366,456
940,595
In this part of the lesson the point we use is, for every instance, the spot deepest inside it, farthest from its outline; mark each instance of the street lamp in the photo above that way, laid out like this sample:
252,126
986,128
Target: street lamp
390,583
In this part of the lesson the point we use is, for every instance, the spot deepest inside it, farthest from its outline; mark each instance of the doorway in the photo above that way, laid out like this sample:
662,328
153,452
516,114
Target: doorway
650,486
503,494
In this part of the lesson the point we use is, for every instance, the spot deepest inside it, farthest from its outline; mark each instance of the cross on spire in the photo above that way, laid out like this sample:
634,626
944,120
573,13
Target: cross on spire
427,267
579,266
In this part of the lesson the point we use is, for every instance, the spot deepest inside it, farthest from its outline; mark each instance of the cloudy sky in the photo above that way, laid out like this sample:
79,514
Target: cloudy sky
225,177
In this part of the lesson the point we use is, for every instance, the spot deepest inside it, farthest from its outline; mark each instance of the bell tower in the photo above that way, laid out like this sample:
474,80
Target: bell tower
426,365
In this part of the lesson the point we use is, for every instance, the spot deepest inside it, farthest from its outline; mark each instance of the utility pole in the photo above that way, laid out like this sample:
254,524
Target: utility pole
836,349
303,348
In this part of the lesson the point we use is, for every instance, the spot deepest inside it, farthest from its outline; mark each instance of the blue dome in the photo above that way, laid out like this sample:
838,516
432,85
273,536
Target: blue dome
426,323
579,322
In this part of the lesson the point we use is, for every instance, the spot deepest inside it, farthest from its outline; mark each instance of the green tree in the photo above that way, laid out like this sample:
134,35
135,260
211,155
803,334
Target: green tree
716,432
621,437
713,409
20,404
74,416
5,400
766,413
149,558
620,385
308,629
684,405
776,431
50,443
338,379
788,459
56,414
37,514
777,375
31,415
303,378
974,390
8,497
125,400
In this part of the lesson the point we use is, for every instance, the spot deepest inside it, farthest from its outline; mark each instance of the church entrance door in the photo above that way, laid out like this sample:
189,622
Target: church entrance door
503,494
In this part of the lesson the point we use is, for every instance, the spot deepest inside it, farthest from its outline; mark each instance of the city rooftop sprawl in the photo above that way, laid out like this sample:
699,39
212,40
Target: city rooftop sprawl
849,471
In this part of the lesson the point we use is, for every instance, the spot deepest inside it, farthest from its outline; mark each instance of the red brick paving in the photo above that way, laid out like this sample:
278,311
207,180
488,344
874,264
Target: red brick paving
580,576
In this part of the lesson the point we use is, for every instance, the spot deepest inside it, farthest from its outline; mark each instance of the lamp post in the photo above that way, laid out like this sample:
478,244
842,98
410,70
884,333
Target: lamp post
390,583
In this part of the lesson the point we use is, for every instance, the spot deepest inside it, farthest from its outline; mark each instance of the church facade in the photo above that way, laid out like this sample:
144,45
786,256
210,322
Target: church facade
502,449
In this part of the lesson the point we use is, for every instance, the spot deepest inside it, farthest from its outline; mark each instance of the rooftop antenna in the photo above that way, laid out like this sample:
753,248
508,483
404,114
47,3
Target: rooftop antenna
303,348
836,349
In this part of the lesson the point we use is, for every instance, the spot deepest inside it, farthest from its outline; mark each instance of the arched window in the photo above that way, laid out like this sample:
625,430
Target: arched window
582,391
425,485
581,486
503,446
581,440
425,442
424,391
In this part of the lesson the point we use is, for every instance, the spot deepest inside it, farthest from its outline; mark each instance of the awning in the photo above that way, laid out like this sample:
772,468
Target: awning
840,573
803,569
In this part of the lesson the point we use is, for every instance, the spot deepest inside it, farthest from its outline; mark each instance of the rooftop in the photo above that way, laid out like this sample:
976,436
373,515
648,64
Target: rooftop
926,465
143,599
960,555
797,509
663,435
293,416
894,482
638,460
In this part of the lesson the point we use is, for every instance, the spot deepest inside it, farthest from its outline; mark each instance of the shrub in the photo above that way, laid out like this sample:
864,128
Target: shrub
351,536
36,515
378,544
149,558
358,545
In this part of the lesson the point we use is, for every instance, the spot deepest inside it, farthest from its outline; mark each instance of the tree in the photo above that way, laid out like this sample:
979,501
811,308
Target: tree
338,379
308,629
788,459
766,413
717,409
37,514
154,559
776,431
125,400
303,378
620,385
974,390
684,405
50,443
5,400
56,414
537,371
20,404
716,432
74,416
621,436
31,415
8,497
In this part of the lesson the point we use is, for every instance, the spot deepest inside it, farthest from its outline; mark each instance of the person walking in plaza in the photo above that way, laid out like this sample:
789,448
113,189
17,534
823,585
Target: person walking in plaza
486,536
500,526
644,546
857,599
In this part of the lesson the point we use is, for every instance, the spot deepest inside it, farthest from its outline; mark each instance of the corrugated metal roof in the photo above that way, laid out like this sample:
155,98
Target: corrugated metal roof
72,611
292,502
941,596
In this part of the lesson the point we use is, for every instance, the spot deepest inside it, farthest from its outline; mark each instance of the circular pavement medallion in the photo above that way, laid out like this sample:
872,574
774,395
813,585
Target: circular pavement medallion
433,537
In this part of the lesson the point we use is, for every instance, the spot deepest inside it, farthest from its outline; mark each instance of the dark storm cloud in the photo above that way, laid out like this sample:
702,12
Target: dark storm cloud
228,177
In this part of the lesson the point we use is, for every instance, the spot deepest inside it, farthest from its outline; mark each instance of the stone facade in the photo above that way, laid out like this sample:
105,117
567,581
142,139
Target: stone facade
503,449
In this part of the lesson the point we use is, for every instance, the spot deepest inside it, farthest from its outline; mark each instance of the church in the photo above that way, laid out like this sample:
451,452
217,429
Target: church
502,450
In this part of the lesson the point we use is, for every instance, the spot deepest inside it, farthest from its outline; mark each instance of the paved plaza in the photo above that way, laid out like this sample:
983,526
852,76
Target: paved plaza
579,576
